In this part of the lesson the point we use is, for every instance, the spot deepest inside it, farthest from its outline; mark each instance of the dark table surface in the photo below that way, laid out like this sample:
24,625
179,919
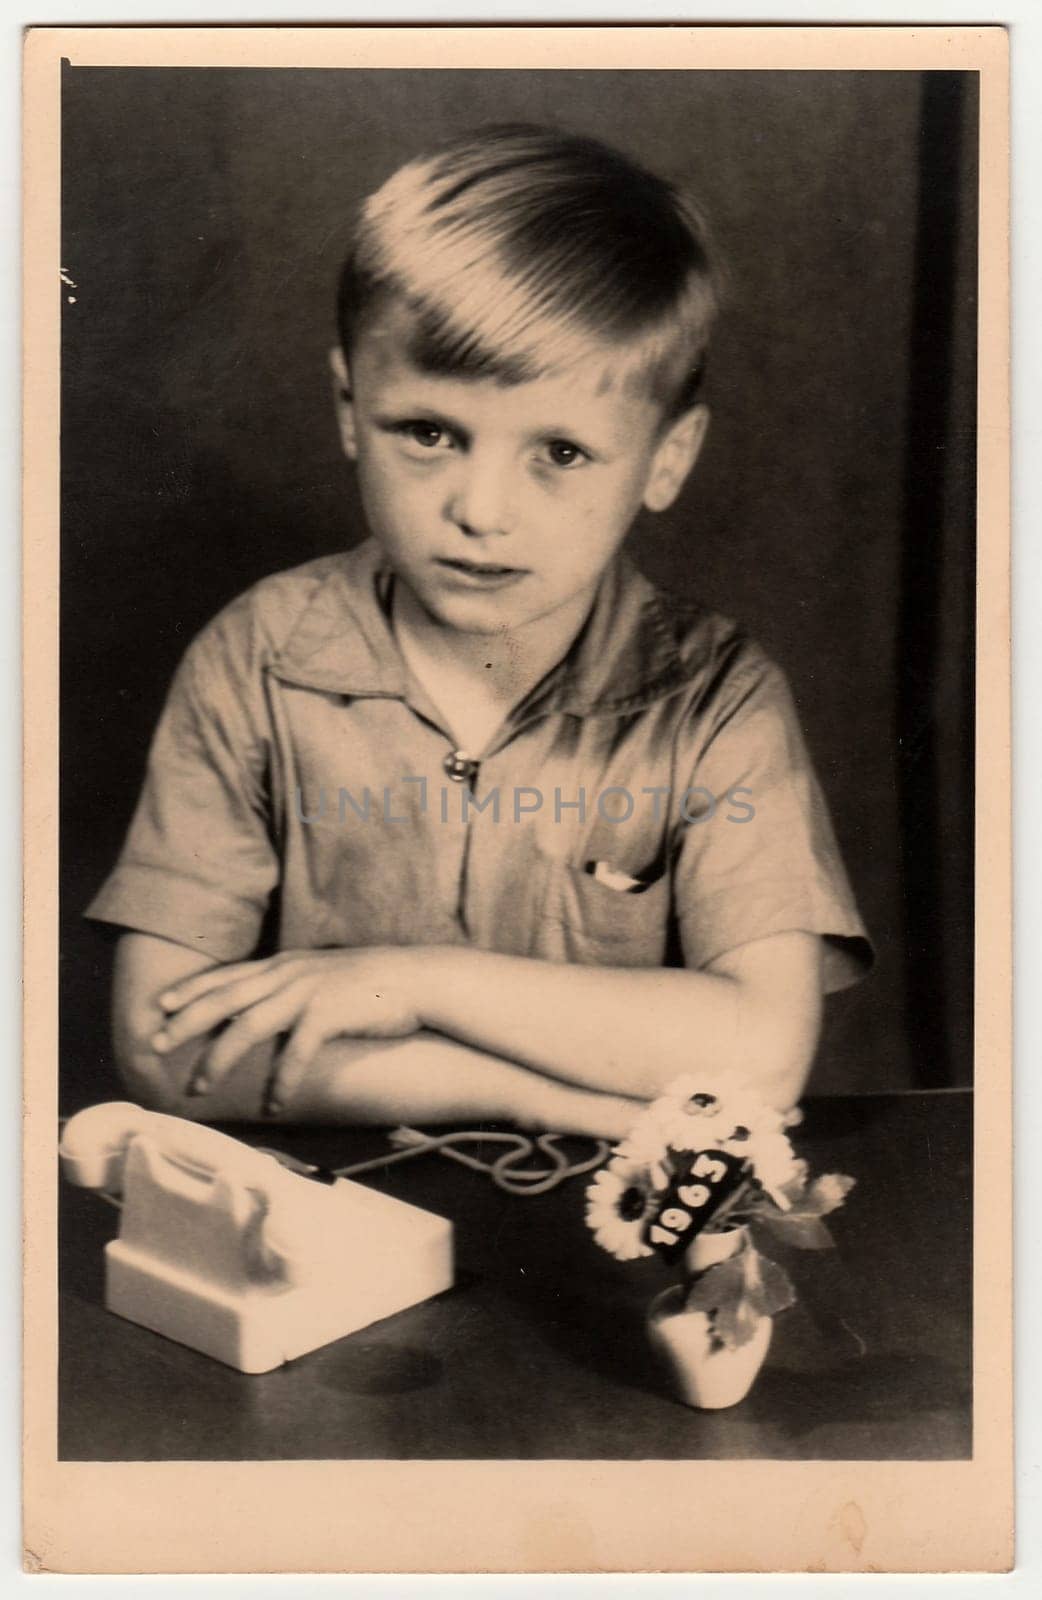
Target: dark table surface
540,1352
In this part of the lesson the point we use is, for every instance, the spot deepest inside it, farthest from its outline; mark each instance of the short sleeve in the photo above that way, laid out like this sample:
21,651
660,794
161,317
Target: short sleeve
198,866
759,856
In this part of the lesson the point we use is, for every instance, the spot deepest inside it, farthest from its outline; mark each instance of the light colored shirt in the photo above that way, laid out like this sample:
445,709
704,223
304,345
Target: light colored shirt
649,802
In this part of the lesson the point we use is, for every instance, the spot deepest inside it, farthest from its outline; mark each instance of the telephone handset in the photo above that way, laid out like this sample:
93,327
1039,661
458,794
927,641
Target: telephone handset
224,1249
95,1142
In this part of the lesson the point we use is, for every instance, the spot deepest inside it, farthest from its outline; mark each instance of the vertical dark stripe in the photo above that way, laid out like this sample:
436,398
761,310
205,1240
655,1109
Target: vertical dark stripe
929,795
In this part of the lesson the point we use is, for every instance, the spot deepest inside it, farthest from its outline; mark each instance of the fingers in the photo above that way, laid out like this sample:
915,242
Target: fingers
293,1062
189,989
200,1016
277,1014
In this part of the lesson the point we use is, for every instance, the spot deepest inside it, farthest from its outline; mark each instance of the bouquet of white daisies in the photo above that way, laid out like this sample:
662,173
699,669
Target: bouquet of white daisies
704,1159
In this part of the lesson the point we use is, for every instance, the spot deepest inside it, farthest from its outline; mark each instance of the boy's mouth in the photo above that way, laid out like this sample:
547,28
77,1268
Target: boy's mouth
484,574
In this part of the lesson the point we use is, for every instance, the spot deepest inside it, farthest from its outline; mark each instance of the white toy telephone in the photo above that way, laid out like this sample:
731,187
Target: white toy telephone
223,1249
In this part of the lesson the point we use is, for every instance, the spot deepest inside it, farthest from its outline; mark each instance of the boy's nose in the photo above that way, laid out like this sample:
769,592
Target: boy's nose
481,501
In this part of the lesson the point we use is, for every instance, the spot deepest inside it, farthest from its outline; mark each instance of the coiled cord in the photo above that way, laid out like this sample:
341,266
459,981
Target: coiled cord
505,1171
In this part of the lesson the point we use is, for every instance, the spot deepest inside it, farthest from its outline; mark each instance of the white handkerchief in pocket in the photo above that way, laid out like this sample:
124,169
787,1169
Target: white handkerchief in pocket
612,878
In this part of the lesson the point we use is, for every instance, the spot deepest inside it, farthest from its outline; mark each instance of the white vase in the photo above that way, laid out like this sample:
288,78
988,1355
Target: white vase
705,1373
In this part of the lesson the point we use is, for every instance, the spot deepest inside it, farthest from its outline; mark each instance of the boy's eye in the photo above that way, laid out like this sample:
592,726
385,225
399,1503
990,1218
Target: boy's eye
427,434
562,453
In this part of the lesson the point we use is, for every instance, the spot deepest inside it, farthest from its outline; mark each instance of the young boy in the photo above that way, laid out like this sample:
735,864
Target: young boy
527,838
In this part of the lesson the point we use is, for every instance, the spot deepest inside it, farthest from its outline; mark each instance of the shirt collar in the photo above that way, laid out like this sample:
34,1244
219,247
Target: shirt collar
624,656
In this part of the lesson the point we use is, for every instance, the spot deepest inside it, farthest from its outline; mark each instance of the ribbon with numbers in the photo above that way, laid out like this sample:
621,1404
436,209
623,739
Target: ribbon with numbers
702,1180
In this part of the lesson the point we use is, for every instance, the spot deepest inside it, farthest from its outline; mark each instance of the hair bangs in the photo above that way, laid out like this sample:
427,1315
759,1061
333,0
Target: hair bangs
522,251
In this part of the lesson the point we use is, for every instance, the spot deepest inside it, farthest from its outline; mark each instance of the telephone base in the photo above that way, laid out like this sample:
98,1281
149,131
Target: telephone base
392,1256
222,1249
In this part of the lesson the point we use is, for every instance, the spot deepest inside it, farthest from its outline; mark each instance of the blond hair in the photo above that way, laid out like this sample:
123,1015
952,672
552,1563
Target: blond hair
519,250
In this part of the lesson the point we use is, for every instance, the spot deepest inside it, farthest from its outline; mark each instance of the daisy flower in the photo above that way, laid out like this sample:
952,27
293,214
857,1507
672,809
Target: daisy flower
645,1146
694,1113
775,1166
619,1202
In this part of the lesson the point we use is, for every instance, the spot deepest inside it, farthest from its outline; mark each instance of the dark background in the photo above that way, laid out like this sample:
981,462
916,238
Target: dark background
206,212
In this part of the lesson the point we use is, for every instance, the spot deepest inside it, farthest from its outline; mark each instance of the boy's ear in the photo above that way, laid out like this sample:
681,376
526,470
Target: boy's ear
675,455
343,402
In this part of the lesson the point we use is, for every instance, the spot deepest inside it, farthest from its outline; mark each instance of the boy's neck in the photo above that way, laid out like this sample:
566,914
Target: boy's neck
475,679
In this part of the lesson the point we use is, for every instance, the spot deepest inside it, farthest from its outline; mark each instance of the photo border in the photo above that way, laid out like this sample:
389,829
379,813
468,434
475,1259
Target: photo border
543,1516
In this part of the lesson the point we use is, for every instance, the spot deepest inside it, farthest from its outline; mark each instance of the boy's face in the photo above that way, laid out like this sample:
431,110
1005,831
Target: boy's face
499,504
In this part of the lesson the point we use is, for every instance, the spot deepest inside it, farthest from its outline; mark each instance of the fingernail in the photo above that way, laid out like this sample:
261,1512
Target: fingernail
167,1001
198,1085
160,1041
272,1106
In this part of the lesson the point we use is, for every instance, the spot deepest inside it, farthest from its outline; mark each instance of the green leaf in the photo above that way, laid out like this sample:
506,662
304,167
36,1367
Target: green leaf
828,1192
768,1286
736,1294
736,1323
800,1229
716,1286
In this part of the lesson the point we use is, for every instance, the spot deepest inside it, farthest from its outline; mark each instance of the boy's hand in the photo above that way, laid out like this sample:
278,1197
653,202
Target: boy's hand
308,996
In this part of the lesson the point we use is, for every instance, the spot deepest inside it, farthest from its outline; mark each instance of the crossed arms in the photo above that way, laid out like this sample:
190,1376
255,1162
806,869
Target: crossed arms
442,1033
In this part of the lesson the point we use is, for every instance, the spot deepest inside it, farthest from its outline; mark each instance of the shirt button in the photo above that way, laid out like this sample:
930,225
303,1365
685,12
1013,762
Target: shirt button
460,767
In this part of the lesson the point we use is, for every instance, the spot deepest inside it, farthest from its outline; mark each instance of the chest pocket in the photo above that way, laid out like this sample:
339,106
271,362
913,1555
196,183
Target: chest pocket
586,921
